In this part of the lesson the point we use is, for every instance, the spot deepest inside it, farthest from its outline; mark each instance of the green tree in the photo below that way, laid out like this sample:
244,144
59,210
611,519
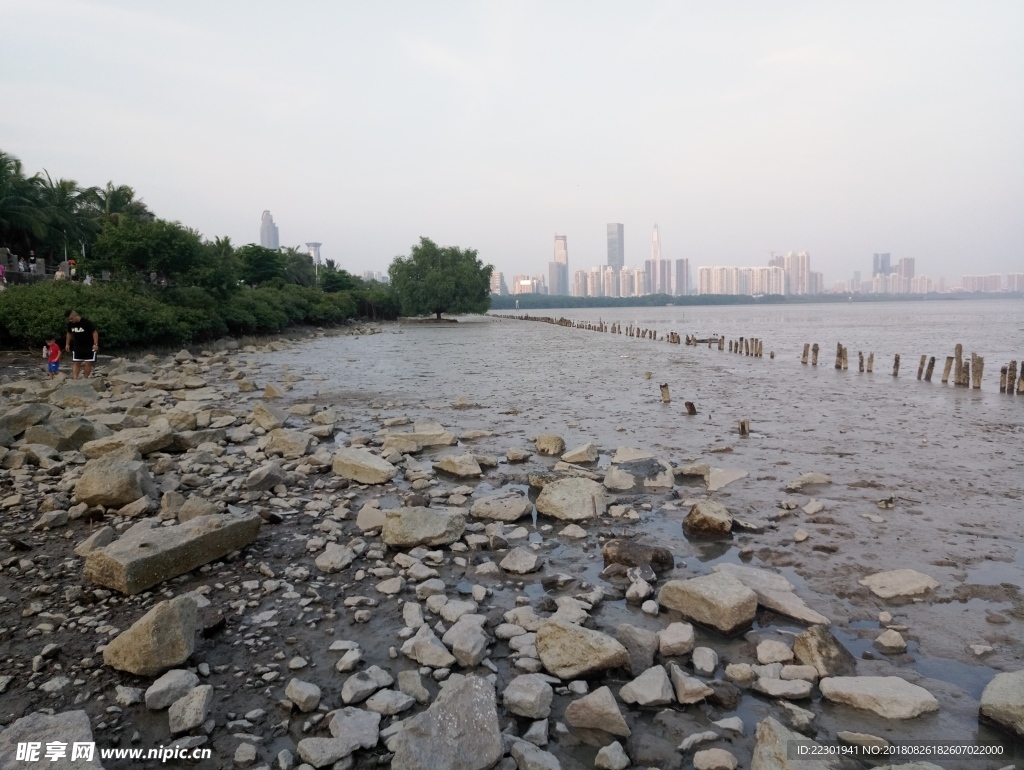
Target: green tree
112,203
435,279
21,219
260,265
218,269
333,280
133,249
299,268
66,209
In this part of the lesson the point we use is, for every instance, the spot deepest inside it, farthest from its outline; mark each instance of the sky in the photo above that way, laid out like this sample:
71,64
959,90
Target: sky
740,128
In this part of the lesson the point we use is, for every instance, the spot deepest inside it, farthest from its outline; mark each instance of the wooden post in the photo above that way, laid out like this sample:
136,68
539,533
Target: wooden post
896,366
920,367
807,352
946,369
664,393
746,346
966,373
1002,379
846,359
730,346
744,427
691,410
839,355
814,354
860,361
871,363
958,371
1012,375
977,370
929,370
772,355
721,343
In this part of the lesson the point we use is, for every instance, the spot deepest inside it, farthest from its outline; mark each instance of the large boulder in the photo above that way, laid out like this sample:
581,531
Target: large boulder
149,553
528,695
66,435
569,651
115,479
413,526
362,466
891,697
160,640
267,476
505,507
772,750
142,440
718,601
268,416
651,688
290,444
459,731
597,711
630,553
19,418
463,466
818,647
572,499
773,591
69,728
708,519
1003,701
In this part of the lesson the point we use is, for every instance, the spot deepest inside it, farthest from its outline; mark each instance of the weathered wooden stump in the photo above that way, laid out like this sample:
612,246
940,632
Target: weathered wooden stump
744,427
920,367
896,366
691,410
946,369
807,352
814,354
665,398
929,370
871,363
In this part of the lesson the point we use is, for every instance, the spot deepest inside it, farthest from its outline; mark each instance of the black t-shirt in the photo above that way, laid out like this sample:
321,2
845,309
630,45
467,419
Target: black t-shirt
81,332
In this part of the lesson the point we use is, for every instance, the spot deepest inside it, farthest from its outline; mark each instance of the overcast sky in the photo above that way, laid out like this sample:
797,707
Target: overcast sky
740,128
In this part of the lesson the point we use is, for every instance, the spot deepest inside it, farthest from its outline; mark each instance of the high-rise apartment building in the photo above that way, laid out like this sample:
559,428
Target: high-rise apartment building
1015,281
579,283
558,269
656,279
498,284
880,265
616,246
626,282
611,281
641,282
595,283
751,281
269,238
682,277
798,272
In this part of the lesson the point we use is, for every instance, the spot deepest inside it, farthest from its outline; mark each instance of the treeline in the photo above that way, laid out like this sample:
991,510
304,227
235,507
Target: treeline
152,281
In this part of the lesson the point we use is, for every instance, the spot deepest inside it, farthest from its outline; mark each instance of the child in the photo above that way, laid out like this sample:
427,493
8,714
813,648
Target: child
52,357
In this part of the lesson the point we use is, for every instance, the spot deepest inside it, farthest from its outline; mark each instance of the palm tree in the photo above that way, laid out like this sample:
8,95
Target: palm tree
20,217
66,209
111,203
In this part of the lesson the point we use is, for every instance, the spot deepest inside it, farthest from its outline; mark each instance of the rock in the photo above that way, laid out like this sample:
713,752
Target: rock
68,728
18,419
160,640
888,696
389,702
708,519
142,440
714,759
369,519
410,527
640,644
771,750
572,499
194,507
675,639
334,558
705,661
582,454
717,478
597,711
899,582
463,466
505,507
528,695
170,687
410,683
65,435
619,480
268,416
305,695
245,755
320,752
773,651
793,689
138,508
129,696
808,479
688,689
569,651
363,684
362,466
290,444
50,520
1002,702
891,642
530,757
717,600
630,553
520,561
774,592
427,650
651,688
467,640
612,757
147,553
550,444
114,480
458,731
516,455
190,711
819,648
357,727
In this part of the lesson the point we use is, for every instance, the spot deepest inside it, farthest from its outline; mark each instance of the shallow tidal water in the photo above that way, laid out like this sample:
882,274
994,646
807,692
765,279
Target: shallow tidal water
951,458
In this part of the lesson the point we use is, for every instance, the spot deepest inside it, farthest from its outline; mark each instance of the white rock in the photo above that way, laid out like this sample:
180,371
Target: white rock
891,697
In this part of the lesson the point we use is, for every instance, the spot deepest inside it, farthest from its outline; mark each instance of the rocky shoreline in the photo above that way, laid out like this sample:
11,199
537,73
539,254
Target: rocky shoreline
195,557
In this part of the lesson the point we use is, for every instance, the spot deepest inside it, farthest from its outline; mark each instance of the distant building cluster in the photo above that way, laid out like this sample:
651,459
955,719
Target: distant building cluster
376,275
785,274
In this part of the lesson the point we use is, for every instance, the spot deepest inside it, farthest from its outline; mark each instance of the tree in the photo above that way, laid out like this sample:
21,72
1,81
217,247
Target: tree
260,265
113,203
66,209
133,249
435,279
20,216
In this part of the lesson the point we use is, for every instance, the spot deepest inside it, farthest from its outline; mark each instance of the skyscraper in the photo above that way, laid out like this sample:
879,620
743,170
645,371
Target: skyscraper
682,277
558,270
657,283
616,246
268,232
798,273
880,265
498,284
579,283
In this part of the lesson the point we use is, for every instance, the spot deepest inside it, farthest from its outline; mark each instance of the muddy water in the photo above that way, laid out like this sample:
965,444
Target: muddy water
950,457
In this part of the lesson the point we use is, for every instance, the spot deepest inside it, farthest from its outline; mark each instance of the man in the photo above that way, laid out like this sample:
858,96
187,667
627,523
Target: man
82,342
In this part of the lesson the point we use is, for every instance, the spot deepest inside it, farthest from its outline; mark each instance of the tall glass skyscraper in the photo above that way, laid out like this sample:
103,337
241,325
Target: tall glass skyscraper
558,270
268,232
616,246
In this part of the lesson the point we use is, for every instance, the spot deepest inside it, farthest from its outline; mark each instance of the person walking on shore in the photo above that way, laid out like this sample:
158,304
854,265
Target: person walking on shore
83,340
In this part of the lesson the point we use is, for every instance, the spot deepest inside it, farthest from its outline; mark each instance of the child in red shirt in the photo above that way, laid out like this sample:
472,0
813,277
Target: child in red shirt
52,357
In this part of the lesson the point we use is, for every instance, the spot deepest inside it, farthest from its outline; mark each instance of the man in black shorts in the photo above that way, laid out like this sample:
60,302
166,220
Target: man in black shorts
82,343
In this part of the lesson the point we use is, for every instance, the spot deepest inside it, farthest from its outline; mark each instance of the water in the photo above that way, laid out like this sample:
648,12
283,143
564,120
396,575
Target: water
950,457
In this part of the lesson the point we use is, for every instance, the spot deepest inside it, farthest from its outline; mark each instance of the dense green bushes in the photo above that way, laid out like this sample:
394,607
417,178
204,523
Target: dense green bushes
132,317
